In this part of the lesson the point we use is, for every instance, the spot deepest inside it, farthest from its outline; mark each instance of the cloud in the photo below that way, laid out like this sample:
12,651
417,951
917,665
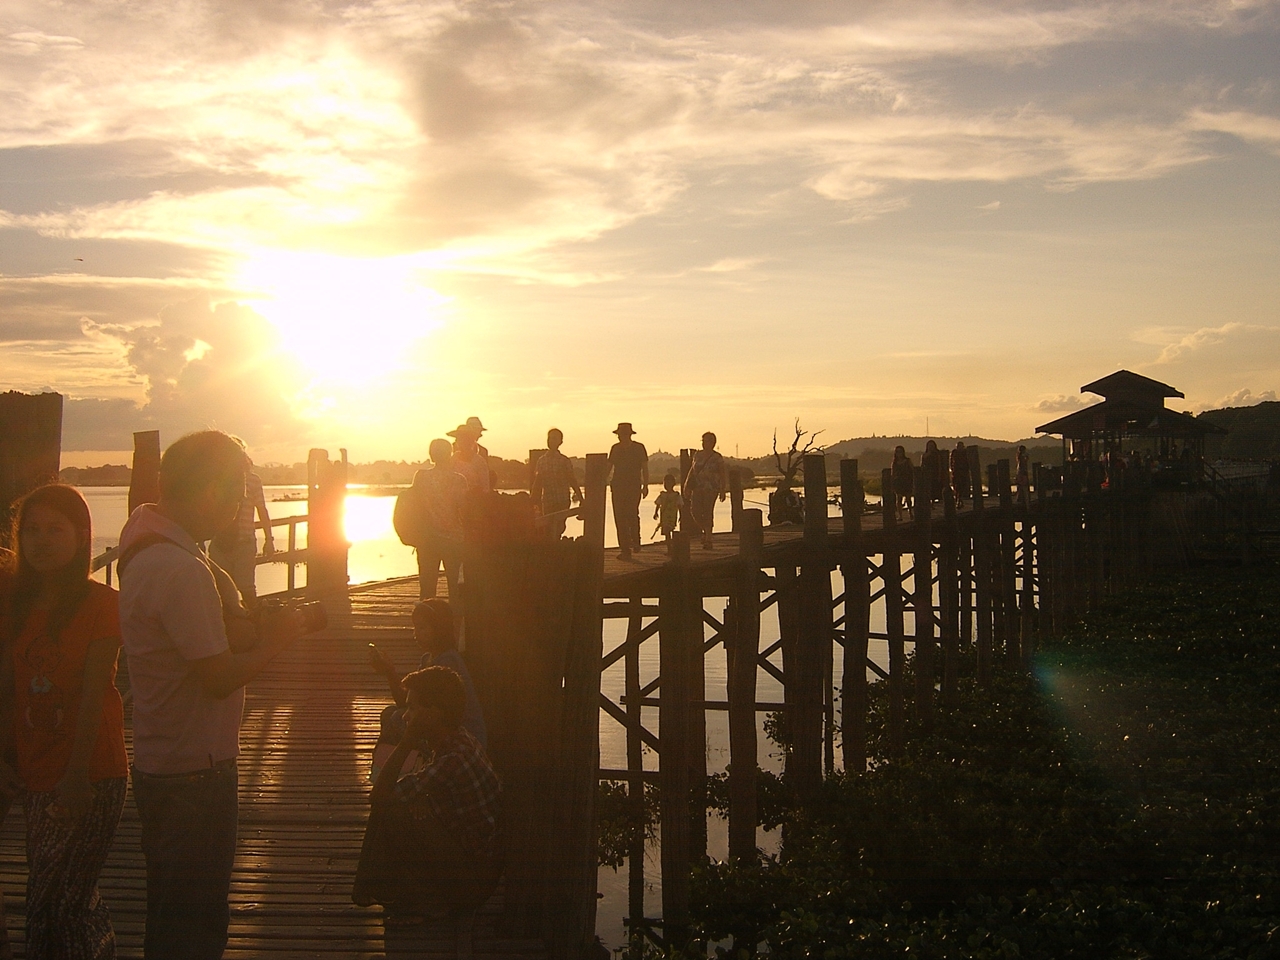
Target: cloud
1206,337
1065,403
154,356
215,365
494,132
1244,397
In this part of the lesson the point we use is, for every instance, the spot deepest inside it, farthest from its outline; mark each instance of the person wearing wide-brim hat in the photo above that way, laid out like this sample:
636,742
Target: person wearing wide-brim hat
629,469
468,459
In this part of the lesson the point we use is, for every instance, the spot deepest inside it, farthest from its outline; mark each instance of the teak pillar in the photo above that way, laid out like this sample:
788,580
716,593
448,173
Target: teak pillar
326,543
742,649
857,622
922,599
144,478
30,446
679,631
981,571
580,729
807,673
891,572
948,600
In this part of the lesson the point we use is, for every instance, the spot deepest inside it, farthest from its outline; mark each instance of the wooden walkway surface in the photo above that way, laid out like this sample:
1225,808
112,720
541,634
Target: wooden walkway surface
309,727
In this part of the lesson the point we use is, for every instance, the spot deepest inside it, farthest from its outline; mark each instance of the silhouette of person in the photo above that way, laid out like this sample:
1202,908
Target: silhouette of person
667,506
629,470
960,472
553,479
467,457
706,481
902,481
930,467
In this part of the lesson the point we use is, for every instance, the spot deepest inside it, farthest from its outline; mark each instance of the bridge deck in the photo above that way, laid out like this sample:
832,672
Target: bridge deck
309,728
623,577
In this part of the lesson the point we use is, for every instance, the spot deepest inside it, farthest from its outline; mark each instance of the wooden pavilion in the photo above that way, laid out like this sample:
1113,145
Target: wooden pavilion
1131,416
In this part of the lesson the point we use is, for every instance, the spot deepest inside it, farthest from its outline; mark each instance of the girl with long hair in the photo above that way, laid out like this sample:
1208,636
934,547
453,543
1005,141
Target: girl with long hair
62,638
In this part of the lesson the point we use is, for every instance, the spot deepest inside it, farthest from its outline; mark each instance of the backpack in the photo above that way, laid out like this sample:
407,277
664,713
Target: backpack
409,517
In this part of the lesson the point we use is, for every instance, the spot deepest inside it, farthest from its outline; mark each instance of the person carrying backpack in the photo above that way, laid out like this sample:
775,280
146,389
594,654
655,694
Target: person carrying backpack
428,517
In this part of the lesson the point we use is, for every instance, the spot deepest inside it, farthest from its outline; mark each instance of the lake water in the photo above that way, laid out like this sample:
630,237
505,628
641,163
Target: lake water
377,554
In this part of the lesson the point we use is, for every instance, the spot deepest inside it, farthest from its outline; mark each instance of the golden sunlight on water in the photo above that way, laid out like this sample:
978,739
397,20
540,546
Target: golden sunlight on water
367,518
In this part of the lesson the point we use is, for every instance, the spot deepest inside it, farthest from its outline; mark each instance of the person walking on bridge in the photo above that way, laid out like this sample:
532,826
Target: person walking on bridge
706,481
553,480
629,468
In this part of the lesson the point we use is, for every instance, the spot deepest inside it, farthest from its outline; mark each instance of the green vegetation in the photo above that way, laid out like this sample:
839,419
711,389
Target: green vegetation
1122,802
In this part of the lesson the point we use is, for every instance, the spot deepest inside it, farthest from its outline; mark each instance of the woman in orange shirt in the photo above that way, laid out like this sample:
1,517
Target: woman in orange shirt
63,634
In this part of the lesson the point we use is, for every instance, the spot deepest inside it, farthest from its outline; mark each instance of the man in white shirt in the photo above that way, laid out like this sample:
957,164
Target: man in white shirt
187,676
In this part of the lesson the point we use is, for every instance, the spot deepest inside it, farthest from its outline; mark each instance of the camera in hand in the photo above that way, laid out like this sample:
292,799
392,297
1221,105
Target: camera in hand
314,617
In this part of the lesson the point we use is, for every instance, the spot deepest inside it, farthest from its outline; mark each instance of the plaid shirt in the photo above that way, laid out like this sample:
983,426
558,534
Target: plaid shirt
460,789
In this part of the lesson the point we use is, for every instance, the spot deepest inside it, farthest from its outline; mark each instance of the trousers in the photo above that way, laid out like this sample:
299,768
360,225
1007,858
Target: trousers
189,842
626,516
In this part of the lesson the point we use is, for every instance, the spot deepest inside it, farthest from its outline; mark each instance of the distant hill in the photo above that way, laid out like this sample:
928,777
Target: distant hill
1254,432
109,475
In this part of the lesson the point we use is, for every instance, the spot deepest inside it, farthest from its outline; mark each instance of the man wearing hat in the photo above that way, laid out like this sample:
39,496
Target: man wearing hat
629,467
469,458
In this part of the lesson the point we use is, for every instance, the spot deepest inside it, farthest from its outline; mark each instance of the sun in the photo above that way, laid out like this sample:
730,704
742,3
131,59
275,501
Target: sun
349,320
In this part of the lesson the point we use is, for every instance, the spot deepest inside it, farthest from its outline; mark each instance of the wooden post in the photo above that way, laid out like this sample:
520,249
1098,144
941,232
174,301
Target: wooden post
326,543
891,571
857,623
981,572
1008,567
697,735
742,648
922,598
674,638
30,447
806,673
948,600
1028,599
735,498
635,767
580,726
144,477
964,576
579,759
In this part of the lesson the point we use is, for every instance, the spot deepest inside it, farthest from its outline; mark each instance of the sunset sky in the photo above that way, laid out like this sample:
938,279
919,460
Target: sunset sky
355,224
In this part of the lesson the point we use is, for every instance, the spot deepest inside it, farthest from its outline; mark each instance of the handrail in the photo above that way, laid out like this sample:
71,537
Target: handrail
292,555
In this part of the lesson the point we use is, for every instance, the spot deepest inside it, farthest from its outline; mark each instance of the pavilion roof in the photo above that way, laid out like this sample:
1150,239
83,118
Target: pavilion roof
1130,418
1125,385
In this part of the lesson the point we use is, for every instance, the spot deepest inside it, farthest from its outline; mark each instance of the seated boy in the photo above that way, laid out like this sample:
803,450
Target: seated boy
433,629
431,843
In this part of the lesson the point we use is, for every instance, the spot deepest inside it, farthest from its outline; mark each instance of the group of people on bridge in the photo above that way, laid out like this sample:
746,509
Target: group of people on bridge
941,471
431,515
193,641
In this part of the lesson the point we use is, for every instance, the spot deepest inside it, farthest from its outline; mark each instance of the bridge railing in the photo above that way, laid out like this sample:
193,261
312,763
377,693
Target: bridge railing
293,556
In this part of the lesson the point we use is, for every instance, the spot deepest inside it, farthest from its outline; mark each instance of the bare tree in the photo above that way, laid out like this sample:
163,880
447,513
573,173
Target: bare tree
785,505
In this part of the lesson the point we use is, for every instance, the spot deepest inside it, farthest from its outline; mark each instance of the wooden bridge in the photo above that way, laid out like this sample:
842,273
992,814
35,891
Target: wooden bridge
988,577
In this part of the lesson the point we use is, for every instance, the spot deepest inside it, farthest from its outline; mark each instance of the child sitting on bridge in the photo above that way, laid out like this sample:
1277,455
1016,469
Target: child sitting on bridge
431,843
433,629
